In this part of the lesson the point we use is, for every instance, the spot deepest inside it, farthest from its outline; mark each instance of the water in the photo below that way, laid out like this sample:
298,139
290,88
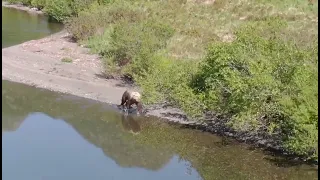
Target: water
47,135
20,26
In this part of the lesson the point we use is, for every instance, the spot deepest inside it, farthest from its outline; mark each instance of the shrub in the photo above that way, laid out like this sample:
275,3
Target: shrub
87,22
24,2
59,9
136,43
40,4
96,19
79,5
299,105
263,78
169,81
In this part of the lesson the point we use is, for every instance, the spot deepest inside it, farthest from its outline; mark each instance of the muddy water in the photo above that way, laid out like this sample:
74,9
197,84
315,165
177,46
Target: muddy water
20,26
48,135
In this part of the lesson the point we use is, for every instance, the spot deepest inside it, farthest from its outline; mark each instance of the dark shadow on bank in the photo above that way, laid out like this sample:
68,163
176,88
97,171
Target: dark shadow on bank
277,157
125,80
286,161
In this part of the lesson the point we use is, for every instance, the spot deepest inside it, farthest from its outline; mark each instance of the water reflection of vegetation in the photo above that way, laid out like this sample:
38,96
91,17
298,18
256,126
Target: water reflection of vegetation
155,144
30,26
99,125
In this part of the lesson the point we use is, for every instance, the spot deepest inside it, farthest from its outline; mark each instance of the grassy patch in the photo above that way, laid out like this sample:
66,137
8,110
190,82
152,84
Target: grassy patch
66,49
66,60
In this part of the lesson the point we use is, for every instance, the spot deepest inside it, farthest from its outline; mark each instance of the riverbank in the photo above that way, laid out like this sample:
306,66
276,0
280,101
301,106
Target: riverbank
59,64
41,63
32,10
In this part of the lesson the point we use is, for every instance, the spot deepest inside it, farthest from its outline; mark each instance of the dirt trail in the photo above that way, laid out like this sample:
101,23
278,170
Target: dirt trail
39,63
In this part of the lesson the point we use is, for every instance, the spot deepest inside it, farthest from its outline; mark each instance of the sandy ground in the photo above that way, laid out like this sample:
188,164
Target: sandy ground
39,63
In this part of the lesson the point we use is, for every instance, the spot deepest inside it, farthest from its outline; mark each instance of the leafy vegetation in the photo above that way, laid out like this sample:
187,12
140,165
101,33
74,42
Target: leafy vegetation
66,60
255,61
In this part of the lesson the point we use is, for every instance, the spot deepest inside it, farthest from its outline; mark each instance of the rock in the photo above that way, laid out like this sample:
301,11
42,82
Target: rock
262,142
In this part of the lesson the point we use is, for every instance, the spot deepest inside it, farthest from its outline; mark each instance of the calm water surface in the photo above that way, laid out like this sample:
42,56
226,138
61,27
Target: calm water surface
53,136
20,26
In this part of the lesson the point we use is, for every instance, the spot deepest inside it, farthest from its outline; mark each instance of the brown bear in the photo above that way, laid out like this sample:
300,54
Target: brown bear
129,98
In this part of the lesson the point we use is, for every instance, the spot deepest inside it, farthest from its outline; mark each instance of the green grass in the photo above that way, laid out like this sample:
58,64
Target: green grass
255,61
66,60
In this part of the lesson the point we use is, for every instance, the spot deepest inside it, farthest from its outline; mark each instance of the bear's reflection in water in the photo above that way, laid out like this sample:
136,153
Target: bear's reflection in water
130,124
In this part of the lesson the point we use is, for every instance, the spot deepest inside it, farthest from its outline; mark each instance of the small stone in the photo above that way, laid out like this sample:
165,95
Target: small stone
268,145
262,142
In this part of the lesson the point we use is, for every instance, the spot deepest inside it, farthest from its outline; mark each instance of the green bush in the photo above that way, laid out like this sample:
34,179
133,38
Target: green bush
263,80
299,105
79,5
87,22
59,9
40,4
24,2
96,18
169,81
136,43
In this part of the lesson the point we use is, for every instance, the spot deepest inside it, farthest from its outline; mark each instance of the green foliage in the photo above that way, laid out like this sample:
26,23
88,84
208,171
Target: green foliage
66,60
260,76
40,4
299,104
59,9
96,18
79,5
136,43
87,22
24,2
169,81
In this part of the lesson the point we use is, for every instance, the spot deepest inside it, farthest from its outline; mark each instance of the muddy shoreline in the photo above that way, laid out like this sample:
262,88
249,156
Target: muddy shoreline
39,63
22,7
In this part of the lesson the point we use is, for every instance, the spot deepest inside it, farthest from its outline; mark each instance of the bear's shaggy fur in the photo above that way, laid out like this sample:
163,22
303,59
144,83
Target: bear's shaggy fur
131,97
